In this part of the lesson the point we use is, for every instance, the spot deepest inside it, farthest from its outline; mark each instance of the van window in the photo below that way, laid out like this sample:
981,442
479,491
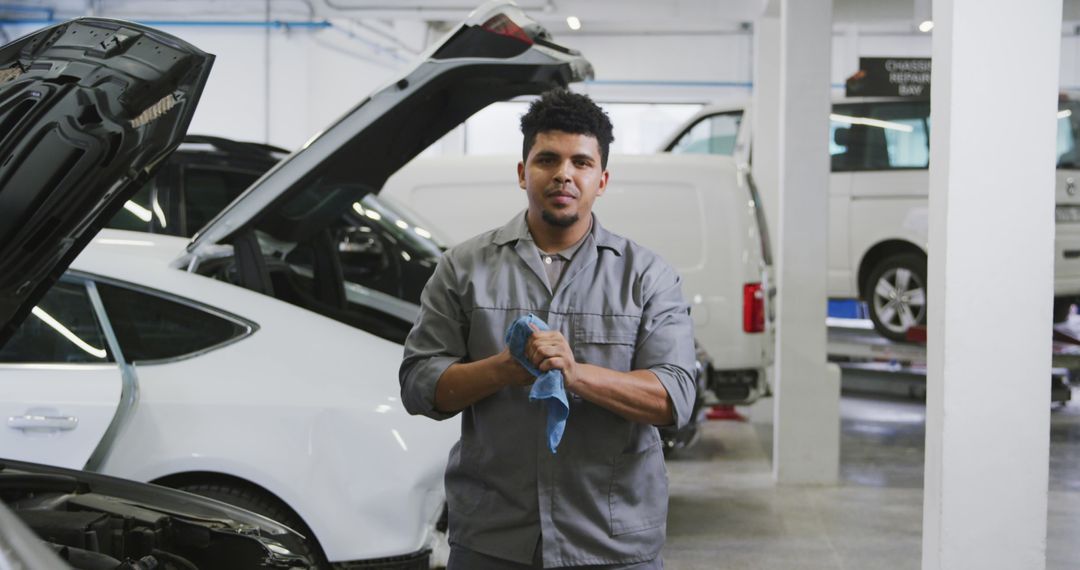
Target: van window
1068,120
714,134
880,136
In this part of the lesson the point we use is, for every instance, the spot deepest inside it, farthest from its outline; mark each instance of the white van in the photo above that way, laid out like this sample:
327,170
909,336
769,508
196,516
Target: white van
878,205
698,212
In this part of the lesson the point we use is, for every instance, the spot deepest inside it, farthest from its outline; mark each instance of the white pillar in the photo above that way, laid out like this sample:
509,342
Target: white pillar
806,445
990,283
765,112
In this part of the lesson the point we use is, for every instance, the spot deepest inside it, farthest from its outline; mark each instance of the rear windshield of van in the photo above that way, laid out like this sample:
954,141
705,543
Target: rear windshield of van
715,134
887,135
1068,156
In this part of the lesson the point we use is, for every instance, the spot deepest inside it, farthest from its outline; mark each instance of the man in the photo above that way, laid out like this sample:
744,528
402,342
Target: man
620,333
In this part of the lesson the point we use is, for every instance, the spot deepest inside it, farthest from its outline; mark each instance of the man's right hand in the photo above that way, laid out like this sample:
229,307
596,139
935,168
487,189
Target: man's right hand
515,373
465,383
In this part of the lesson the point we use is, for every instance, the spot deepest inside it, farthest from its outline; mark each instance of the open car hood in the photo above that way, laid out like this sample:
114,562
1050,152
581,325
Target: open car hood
88,109
498,53
129,520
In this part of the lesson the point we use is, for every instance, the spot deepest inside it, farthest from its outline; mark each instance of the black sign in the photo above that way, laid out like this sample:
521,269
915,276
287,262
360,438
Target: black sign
890,77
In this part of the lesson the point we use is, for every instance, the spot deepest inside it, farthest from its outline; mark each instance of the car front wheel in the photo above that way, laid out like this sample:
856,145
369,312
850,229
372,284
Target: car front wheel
256,501
896,295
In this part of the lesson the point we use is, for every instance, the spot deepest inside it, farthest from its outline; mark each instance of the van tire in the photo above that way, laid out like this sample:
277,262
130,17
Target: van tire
896,295
268,506
1062,308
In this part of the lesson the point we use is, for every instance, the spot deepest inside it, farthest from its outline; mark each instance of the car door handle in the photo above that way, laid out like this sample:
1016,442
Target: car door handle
35,422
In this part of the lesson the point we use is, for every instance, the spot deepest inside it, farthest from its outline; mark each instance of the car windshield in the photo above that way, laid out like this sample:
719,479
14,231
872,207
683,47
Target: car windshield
1068,125
403,225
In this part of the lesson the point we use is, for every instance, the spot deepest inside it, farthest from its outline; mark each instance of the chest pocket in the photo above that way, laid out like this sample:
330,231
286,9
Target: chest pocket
605,340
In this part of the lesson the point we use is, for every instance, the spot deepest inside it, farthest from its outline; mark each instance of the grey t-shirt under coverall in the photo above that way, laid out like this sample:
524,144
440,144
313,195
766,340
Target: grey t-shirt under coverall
602,499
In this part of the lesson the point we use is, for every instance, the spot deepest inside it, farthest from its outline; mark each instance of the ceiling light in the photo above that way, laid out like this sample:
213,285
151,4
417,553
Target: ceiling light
140,212
845,119
573,22
926,26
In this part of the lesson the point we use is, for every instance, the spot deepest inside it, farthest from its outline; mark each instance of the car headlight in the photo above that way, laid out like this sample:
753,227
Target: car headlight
1068,214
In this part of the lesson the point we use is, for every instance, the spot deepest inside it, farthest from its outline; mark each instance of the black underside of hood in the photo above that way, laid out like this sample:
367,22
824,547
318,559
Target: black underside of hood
88,109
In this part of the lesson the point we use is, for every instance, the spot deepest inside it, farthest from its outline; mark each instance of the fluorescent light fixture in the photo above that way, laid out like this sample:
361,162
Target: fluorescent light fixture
422,232
159,213
573,22
138,242
373,214
871,123
66,333
926,26
1064,114
359,209
140,212
401,224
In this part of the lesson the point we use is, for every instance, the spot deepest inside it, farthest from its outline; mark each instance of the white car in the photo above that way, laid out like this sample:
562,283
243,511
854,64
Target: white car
225,392
880,149
239,364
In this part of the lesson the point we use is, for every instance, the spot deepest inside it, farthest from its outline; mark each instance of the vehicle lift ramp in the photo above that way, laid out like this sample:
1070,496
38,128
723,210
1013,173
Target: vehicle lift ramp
873,363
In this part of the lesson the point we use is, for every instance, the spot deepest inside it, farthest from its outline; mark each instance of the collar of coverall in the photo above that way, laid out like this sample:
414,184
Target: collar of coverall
517,229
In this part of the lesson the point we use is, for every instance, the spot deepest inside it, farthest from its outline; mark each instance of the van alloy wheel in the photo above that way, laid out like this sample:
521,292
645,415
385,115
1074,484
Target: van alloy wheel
897,295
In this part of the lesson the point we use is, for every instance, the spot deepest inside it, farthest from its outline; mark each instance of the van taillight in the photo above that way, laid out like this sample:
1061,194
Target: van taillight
753,308
504,26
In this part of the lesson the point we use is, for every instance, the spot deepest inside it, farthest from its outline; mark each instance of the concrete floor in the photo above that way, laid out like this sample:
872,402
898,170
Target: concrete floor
726,513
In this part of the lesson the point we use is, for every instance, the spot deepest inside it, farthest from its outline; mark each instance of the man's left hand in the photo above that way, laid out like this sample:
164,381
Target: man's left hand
549,350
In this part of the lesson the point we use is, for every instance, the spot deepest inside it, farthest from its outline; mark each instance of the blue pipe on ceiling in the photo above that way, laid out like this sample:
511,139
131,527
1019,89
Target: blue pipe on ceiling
277,24
27,9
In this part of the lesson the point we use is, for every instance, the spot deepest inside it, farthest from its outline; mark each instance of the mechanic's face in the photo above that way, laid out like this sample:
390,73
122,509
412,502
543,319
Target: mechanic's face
562,177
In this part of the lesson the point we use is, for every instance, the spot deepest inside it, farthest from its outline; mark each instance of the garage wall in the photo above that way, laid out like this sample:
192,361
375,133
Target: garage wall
283,85
685,68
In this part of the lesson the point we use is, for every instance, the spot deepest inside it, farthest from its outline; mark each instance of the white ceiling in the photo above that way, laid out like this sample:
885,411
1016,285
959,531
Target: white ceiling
597,16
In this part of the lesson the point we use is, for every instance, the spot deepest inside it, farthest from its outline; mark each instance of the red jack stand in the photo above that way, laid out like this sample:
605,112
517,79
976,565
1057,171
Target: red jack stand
725,412
916,334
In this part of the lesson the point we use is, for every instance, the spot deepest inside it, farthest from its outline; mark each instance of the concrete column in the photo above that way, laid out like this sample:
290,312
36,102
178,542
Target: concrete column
990,283
807,427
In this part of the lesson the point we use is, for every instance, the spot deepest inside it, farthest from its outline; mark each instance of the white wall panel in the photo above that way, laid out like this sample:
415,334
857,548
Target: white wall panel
687,57
233,103
697,67
1070,63
340,73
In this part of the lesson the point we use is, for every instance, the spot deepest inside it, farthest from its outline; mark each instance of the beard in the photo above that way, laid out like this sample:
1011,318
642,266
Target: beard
558,221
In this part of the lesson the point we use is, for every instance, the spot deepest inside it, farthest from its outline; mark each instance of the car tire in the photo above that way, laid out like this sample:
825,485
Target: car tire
1062,308
895,294
268,506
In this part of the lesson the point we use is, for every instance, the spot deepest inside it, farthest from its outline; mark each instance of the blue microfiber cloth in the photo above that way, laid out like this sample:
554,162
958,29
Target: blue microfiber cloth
548,386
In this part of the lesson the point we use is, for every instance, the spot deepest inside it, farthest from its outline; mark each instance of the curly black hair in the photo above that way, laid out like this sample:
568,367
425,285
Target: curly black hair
563,110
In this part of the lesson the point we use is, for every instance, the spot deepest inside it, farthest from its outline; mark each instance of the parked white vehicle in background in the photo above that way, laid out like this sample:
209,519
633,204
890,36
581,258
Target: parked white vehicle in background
240,364
878,208
698,212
